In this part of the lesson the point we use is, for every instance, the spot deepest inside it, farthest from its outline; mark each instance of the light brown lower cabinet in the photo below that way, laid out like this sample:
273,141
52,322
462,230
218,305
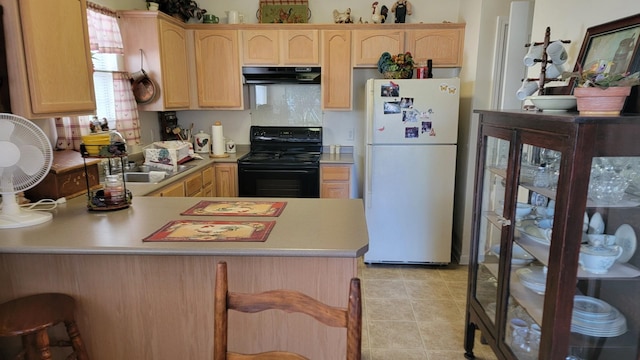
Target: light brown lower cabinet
207,182
171,190
226,179
195,185
335,181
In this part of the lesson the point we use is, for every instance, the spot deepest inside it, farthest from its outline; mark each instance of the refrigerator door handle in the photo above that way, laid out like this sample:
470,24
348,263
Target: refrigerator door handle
368,177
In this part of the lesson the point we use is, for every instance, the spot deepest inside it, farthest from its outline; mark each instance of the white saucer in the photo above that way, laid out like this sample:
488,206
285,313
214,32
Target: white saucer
626,239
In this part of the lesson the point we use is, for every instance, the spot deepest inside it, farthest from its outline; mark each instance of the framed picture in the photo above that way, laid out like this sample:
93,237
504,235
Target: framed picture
614,45
283,11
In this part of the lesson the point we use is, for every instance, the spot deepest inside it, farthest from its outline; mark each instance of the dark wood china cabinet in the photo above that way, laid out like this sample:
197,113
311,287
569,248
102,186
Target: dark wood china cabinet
557,201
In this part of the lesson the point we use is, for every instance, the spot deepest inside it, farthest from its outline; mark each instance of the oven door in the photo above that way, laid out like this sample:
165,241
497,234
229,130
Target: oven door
258,181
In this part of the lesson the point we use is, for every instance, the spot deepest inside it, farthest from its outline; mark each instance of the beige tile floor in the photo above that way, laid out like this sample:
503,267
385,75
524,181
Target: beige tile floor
415,312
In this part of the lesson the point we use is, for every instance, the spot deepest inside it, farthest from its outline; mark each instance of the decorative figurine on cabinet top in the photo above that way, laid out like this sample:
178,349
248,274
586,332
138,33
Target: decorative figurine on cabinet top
342,17
401,8
379,15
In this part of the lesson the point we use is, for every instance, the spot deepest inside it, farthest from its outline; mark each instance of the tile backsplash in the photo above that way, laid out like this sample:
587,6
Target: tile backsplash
285,105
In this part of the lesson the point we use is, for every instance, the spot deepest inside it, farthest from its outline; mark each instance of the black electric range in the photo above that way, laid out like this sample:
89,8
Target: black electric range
282,162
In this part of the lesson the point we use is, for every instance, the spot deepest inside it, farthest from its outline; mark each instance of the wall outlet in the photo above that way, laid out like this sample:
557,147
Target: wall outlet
350,134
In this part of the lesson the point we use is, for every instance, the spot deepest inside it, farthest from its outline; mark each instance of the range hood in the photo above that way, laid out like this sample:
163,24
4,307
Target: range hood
281,75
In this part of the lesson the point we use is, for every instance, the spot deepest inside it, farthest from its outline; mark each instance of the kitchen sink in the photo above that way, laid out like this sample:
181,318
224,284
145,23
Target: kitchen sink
149,174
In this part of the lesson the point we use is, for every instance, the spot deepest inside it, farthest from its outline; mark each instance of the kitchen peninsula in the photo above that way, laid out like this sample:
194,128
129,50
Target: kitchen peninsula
154,300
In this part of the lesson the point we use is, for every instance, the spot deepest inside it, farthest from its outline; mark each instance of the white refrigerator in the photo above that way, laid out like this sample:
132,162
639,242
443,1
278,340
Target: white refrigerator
410,162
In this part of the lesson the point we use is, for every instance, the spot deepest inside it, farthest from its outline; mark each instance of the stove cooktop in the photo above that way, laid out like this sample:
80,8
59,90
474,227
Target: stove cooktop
284,145
280,157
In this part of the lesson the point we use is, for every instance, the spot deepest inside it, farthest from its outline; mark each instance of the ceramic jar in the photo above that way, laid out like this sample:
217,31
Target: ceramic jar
202,142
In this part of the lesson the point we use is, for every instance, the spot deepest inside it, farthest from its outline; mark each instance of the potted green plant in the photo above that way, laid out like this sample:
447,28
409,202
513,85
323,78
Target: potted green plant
396,66
183,9
600,93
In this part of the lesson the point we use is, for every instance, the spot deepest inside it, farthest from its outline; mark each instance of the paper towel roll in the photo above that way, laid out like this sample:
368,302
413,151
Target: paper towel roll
217,139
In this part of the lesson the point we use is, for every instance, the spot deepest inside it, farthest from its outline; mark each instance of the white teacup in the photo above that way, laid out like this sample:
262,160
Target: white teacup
528,88
545,211
523,210
557,53
601,239
597,258
534,53
544,223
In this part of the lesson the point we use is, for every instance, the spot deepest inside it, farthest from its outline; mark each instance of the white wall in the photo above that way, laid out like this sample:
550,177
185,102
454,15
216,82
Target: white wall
476,76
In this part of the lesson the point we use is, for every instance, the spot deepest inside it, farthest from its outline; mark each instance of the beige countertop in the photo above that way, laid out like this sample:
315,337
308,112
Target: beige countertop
306,227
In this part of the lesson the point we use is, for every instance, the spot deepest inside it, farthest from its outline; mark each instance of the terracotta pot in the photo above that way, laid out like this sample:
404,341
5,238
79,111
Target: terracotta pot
597,101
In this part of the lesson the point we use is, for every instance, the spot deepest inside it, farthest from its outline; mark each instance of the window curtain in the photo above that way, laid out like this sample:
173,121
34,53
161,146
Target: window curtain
104,37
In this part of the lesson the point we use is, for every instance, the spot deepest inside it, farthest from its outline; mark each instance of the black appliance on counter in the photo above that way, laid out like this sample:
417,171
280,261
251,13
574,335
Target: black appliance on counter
282,162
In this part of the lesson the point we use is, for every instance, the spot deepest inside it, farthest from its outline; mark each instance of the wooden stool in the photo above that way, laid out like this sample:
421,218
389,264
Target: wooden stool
31,316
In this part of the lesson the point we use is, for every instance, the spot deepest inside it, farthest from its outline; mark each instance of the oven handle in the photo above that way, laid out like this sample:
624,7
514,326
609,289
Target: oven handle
271,171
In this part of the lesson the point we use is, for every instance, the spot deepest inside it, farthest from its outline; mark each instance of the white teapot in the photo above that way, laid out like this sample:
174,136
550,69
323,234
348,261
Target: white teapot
597,258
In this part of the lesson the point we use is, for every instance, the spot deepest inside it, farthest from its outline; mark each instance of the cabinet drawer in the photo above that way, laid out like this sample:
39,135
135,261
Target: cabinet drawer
173,190
193,184
207,177
335,173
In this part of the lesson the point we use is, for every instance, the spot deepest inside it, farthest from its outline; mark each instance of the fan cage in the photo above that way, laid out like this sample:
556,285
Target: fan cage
27,133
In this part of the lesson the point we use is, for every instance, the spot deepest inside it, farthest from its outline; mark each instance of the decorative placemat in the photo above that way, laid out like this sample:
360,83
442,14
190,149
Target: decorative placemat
236,208
195,230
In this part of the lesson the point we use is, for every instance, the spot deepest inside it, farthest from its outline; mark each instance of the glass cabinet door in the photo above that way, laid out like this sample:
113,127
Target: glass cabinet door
606,315
534,217
491,223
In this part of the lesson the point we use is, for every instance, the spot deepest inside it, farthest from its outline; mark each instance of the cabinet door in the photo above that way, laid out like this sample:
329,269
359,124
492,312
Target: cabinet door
226,179
492,222
218,69
162,43
175,65
260,47
368,45
299,47
337,75
51,71
443,46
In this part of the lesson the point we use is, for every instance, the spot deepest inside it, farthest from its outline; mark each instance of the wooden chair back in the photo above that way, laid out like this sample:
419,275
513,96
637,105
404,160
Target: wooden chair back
289,301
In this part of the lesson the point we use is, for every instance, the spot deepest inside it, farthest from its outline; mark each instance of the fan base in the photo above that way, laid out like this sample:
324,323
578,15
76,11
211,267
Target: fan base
24,218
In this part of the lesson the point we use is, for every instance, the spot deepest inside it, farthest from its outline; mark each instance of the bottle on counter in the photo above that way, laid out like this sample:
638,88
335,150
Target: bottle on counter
114,190
429,68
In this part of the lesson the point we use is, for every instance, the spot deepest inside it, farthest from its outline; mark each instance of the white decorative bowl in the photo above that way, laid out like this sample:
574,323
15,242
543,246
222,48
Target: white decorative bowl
553,102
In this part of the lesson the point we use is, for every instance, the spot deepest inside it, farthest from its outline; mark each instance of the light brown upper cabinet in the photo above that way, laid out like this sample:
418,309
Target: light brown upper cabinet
443,45
50,72
280,47
158,43
218,72
337,75
368,45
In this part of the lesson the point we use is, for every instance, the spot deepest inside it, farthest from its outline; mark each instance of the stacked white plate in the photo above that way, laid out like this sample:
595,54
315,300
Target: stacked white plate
594,317
533,278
